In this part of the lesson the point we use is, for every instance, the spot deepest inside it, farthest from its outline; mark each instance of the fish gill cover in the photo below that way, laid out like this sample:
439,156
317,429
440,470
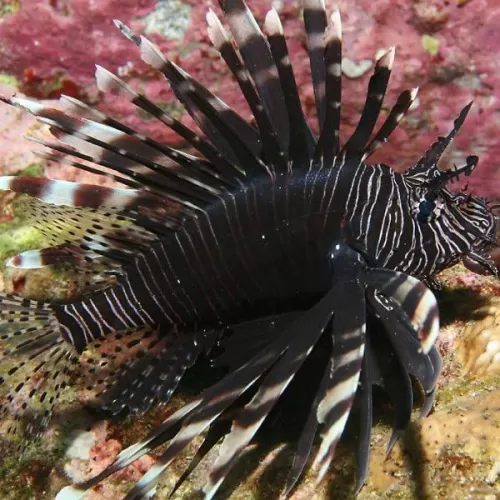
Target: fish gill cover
267,247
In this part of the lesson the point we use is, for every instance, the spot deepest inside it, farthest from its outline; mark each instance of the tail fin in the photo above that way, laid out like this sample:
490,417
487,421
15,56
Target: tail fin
36,364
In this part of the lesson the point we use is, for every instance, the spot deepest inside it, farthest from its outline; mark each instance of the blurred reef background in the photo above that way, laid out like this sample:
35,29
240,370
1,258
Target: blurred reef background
450,49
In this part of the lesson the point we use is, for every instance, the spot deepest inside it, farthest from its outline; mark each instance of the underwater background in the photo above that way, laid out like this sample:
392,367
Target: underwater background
450,49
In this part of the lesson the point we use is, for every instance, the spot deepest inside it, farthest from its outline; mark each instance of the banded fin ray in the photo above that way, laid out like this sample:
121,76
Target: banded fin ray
155,372
123,152
36,259
107,359
382,368
268,359
430,391
220,40
251,417
419,364
328,89
348,332
315,22
412,297
139,178
302,141
37,364
257,56
207,408
409,361
193,419
328,146
364,400
307,435
355,361
215,122
377,88
215,432
108,82
397,113
59,153
79,236
272,368
225,129
399,388
59,192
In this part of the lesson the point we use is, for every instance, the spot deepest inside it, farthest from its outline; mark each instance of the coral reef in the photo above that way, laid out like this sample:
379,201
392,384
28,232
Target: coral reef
92,451
479,346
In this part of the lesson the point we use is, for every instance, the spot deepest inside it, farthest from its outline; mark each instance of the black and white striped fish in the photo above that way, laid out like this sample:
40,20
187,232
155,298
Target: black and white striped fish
269,235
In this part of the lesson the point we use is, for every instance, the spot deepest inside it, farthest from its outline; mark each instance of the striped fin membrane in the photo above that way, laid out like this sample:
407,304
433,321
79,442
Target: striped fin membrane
36,365
81,237
131,369
163,188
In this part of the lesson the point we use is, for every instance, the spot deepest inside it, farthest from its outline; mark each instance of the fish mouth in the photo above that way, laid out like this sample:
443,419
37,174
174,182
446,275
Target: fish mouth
486,263
484,257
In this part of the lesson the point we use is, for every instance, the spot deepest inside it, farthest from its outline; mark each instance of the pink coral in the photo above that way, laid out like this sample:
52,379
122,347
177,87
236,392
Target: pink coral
15,152
102,454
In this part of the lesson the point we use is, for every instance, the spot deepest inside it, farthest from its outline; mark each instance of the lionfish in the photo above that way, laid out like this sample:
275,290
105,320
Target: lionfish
267,244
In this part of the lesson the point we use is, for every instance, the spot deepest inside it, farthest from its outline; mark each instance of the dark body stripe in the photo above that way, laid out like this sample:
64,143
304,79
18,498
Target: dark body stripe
207,274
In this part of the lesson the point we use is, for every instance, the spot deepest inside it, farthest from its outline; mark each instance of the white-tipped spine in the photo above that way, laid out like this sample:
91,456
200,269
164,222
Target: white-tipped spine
75,107
6,182
333,35
272,23
386,60
334,29
33,107
127,32
151,54
30,259
108,82
73,101
216,32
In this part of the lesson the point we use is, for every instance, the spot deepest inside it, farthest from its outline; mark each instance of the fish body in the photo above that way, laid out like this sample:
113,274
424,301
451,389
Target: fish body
266,244
244,258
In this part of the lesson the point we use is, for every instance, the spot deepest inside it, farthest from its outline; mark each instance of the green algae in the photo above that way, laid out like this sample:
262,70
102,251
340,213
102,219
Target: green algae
8,7
430,44
15,238
26,475
7,79
18,235
465,386
33,170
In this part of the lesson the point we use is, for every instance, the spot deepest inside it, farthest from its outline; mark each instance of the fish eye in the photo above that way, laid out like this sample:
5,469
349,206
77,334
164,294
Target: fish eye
429,207
426,208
